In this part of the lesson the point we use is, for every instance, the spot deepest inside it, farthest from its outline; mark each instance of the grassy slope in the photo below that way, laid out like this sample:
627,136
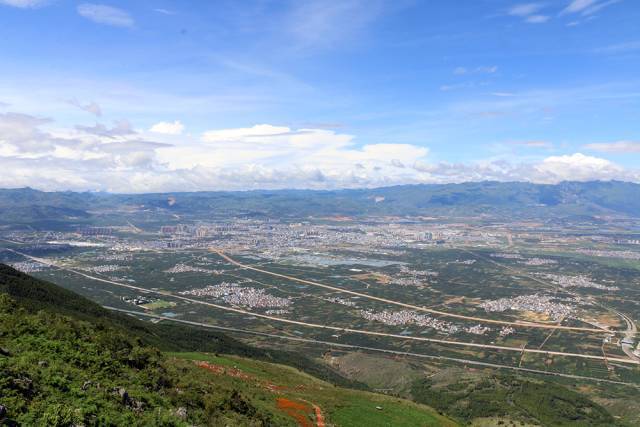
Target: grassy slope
65,361
59,371
524,400
34,294
341,406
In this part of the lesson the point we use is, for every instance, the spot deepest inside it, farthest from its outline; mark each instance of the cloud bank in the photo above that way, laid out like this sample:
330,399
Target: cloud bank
120,158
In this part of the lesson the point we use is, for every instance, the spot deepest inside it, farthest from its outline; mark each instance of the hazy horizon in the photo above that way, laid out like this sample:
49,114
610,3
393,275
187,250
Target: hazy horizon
285,189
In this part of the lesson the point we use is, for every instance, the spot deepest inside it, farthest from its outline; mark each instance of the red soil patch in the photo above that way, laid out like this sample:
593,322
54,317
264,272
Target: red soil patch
299,411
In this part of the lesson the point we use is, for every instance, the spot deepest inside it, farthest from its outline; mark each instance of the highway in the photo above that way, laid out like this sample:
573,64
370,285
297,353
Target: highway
632,330
410,306
375,349
336,328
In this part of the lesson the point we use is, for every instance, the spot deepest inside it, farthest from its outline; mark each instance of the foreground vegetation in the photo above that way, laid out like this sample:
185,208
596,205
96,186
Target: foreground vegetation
58,371
521,401
78,368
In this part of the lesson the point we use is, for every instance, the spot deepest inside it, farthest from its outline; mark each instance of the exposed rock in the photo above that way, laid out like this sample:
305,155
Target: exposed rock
181,412
86,384
4,352
124,396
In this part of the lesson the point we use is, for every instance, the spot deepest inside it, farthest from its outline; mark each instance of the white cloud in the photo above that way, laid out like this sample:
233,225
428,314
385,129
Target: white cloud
577,167
487,69
483,69
325,23
525,9
529,12
253,133
119,129
25,4
532,144
92,107
118,158
168,128
593,9
619,47
578,6
615,147
537,19
587,7
107,15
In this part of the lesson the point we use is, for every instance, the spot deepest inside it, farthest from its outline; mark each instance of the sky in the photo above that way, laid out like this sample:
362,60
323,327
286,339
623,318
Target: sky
156,95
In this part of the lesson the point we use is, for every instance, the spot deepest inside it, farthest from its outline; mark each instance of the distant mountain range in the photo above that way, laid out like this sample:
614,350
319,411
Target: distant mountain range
509,199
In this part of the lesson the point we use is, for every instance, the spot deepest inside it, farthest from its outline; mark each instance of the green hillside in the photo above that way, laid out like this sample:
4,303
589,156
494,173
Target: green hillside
33,295
65,361
515,398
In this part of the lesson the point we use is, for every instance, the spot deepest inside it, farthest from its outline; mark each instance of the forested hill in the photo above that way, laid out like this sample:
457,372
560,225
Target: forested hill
527,200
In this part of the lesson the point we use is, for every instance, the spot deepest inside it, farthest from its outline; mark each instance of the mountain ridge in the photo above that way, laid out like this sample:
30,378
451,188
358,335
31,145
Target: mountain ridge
527,200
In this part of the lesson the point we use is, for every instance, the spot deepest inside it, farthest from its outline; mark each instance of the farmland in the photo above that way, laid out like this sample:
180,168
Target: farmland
548,303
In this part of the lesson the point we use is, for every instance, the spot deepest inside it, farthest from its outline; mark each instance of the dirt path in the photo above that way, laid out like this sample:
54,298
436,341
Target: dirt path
318,412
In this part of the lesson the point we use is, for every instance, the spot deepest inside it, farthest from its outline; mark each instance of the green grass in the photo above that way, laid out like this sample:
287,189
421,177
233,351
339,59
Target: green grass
71,366
507,396
361,410
341,407
159,304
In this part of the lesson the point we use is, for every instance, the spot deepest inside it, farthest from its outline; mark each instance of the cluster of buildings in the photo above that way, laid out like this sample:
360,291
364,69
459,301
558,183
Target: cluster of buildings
276,312
463,262
341,301
240,296
408,317
506,255
580,281
536,303
534,261
28,266
95,231
184,268
539,261
107,268
506,331
611,254
275,238
113,256
410,277
137,300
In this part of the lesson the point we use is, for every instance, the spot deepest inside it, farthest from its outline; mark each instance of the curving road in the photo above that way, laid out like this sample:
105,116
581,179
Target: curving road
376,349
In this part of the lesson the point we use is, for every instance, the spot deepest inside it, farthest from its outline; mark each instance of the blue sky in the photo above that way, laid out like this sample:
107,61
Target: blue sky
159,95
